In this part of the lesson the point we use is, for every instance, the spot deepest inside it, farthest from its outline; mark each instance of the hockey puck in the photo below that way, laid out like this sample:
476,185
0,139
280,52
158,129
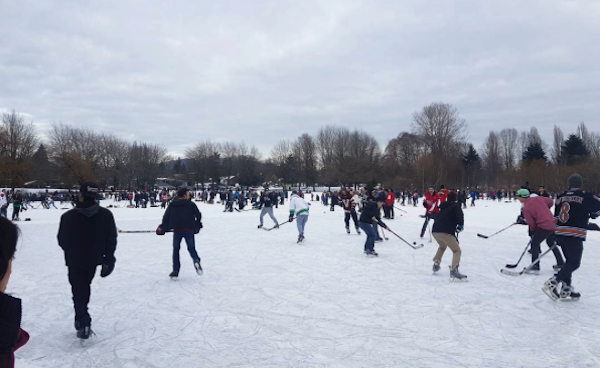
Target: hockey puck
415,243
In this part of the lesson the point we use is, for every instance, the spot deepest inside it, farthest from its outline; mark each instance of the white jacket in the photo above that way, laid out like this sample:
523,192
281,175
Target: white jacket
3,201
298,206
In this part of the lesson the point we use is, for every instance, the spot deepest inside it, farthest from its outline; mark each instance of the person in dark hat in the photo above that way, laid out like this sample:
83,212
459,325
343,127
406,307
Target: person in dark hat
572,210
88,236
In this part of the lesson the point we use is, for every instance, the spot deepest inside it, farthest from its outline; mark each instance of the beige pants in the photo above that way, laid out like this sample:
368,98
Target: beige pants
447,241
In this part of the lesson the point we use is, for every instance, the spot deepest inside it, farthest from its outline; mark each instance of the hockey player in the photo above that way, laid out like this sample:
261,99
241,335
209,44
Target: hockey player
449,221
573,209
3,203
88,236
390,199
266,205
183,218
536,211
349,204
369,218
431,204
299,209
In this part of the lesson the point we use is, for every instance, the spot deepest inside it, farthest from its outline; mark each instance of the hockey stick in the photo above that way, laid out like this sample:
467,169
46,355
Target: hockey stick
400,209
520,258
383,233
401,238
135,231
277,226
514,273
497,232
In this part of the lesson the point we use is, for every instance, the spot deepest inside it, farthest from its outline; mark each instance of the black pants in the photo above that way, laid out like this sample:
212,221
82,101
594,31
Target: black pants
15,214
81,279
347,216
573,249
428,217
538,237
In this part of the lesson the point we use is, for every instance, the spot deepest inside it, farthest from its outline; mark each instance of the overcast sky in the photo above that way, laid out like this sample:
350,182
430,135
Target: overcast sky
178,72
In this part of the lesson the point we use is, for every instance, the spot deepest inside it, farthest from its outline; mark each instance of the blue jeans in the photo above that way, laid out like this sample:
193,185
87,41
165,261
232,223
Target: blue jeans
301,222
191,246
371,235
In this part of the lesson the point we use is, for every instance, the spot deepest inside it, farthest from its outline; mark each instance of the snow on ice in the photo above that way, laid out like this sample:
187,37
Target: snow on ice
265,301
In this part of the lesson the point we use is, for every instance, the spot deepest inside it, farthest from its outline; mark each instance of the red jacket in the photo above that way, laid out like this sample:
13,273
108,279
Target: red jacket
537,213
431,202
390,199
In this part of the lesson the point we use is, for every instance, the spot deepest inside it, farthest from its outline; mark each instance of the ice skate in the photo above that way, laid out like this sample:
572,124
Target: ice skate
436,266
173,275
568,293
84,334
557,267
358,230
300,238
348,229
260,226
198,268
371,253
456,276
550,287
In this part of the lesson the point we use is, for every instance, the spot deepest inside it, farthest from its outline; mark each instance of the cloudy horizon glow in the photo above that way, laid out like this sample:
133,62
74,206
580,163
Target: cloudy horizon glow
180,72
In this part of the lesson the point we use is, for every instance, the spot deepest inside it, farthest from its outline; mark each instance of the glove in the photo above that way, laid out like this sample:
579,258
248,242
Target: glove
460,228
521,220
159,231
107,269
291,219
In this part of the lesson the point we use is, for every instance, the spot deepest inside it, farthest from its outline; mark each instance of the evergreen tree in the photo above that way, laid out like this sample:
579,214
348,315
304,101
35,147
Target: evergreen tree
534,151
471,157
574,150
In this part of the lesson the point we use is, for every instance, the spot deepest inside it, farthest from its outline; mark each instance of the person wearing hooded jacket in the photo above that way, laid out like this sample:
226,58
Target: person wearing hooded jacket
183,218
88,236
449,221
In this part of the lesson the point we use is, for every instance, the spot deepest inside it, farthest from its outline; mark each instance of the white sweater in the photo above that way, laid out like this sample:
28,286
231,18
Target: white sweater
298,206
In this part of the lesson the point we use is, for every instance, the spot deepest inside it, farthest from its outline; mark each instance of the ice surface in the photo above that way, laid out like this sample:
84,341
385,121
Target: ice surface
265,301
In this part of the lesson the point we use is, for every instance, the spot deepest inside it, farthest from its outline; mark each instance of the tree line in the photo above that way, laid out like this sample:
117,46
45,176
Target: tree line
434,151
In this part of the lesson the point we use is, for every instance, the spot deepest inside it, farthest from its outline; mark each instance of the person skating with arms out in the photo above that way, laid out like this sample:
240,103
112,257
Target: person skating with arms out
572,210
369,218
448,222
183,218
539,218
299,209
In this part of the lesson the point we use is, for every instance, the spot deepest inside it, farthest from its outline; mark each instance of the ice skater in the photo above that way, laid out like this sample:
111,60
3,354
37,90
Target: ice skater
370,217
88,236
267,199
348,198
299,209
449,221
183,218
573,209
539,218
431,204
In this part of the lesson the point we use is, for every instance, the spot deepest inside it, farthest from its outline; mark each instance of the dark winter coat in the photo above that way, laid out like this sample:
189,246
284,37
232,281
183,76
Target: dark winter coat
182,215
369,211
88,235
12,337
450,216
267,200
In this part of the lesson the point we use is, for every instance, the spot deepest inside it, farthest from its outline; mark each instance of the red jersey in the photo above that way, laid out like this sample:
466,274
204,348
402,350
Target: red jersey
432,202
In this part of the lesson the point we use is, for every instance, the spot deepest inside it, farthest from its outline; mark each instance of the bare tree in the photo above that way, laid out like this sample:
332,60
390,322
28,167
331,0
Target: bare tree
441,127
18,143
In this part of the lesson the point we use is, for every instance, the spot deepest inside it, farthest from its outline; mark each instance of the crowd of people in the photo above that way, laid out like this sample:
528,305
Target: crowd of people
88,234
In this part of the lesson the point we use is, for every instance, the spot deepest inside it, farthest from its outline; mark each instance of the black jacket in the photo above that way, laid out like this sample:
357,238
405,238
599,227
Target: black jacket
88,235
369,211
450,216
267,200
182,215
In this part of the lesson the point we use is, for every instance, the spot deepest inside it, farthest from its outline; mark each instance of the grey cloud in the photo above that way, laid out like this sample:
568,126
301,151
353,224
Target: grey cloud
183,71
